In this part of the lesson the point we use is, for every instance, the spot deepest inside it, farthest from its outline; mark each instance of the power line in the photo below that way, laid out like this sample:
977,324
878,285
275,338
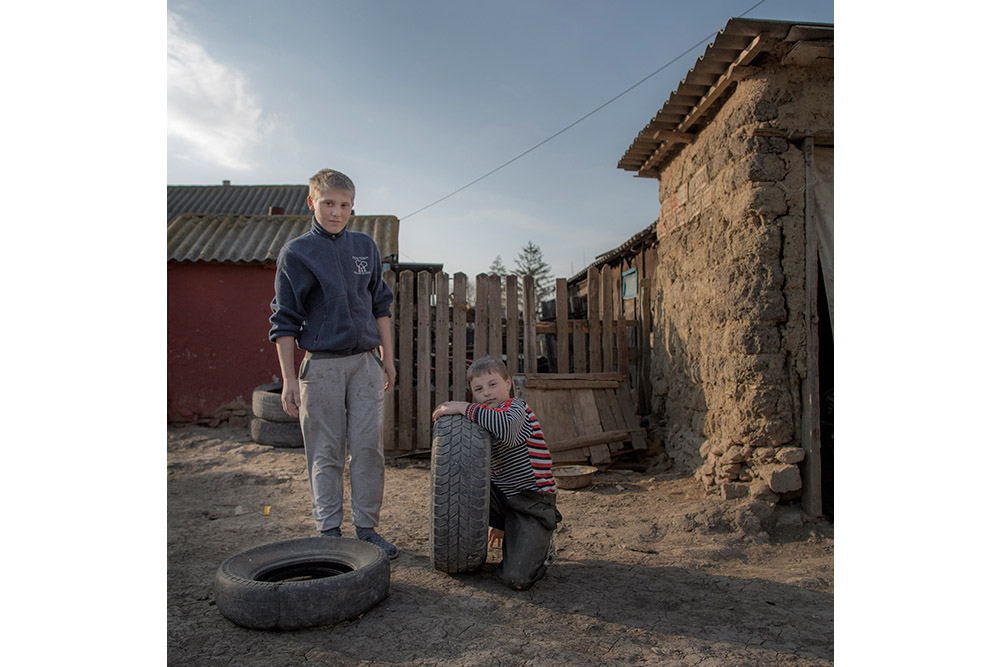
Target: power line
576,122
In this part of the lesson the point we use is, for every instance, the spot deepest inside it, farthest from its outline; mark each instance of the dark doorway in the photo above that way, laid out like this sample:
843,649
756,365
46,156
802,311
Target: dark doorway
826,399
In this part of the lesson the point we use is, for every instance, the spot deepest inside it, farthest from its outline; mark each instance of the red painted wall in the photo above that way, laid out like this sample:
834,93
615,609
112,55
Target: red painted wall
217,346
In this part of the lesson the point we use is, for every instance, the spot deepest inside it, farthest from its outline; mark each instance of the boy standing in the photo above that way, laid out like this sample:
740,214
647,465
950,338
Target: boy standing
523,512
330,300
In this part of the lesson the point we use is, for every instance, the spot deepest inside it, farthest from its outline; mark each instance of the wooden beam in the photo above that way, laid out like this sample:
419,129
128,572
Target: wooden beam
588,440
812,499
757,46
674,136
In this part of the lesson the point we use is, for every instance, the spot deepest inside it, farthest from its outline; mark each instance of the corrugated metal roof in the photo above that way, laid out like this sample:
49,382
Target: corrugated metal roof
236,199
196,237
736,46
648,233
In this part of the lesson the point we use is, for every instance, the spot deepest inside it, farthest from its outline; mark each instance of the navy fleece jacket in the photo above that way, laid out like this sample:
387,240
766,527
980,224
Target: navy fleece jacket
328,292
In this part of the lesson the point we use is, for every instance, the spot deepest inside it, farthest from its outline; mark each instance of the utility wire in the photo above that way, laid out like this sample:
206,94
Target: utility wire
576,122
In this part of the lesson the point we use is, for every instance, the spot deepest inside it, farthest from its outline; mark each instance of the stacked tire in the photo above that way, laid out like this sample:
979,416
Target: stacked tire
269,423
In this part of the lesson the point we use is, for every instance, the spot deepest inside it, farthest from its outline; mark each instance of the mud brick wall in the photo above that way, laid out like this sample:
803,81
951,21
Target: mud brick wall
730,302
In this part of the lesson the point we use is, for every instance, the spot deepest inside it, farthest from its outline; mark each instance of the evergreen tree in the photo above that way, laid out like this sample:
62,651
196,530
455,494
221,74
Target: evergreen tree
497,268
531,263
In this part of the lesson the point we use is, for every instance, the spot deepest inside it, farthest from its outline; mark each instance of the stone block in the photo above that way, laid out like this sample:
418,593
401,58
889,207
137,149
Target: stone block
790,454
732,491
782,478
705,449
731,470
733,455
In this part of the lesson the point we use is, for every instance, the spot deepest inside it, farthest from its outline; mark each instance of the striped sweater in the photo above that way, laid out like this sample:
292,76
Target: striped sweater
520,460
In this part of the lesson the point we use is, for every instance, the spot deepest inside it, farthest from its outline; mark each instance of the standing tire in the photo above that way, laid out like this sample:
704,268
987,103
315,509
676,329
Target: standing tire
301,583
266,404
276,434
460,495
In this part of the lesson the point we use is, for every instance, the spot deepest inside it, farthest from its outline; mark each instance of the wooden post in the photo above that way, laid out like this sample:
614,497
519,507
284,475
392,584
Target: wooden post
480,332
594,315
458,345
405,377
607,317
530,344
812,499
512,329
441,374
562,326
645,351
389,406
423,439
493,318
579,347
622,340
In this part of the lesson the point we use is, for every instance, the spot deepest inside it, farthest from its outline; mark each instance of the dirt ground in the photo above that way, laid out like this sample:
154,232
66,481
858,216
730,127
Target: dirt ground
649,570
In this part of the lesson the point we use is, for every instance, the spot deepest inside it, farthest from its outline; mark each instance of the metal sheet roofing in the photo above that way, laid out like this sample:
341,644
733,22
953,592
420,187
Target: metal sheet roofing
736,46
193,237
647,234
236,199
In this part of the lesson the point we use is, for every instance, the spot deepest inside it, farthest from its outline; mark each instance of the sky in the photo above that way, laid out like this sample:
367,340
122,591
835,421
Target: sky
415,103
415,100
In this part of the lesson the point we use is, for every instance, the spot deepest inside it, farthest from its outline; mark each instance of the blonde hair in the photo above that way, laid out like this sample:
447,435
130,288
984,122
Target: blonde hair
328,179
485,365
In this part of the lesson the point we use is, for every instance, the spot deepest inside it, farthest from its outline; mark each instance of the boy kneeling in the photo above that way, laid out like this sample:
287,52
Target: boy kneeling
523,512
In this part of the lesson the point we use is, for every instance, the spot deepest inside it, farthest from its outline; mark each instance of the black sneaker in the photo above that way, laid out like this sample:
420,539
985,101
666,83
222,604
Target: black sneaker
333,532
369,535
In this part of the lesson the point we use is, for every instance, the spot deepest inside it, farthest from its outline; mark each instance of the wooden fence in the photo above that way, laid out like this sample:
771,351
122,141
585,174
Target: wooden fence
437,332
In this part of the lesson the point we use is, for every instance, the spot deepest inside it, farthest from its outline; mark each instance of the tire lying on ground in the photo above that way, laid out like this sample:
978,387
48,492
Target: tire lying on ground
301,583
460,495
276,434
266,404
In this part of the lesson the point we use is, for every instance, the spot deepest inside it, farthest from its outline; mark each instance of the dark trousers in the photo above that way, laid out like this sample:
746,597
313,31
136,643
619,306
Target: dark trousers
527,521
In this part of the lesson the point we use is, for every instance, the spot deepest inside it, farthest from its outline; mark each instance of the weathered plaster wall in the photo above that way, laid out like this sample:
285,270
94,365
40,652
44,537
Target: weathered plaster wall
729,346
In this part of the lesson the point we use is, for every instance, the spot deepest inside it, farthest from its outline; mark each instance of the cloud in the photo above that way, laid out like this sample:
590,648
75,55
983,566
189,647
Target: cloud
211,111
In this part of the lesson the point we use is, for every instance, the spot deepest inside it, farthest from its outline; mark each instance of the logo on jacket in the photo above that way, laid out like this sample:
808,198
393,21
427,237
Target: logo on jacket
362,266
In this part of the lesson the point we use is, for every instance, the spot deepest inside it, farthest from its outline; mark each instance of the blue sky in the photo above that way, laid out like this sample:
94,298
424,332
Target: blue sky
415,100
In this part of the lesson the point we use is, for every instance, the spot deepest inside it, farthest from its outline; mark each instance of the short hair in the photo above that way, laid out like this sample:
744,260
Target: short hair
328,179
485,365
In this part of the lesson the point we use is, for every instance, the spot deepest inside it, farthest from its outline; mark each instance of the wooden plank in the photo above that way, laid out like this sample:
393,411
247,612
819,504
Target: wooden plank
530,343
637,435
608,421
645,318
551,409
405,377
588,440
513,335
621,340
579,347
389,405
571,377
594,317
589,421
493,318
480,332
562,326
812,478
442,374
460,314
617,418
607,318
572,384
423,407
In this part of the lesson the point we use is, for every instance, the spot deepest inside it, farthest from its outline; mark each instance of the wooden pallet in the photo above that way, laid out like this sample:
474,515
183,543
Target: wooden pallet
586,417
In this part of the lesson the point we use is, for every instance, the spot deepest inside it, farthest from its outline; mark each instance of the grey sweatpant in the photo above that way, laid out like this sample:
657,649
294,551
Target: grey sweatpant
341,413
